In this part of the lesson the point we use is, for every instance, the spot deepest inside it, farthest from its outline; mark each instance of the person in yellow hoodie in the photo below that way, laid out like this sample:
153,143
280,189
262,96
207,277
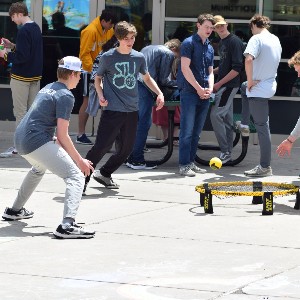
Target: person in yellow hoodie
96,34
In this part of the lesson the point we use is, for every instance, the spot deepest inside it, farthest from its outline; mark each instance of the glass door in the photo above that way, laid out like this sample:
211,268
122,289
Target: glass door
62,22
8,29
137,12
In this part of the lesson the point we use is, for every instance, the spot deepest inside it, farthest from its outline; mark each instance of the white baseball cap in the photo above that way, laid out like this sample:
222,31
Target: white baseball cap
71,63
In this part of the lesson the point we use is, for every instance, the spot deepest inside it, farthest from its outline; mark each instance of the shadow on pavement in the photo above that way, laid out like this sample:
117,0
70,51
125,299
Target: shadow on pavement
15,229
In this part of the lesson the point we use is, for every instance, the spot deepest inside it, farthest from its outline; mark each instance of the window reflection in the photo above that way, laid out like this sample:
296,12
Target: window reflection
282,10
287,81
179,30
233,9
4,5
76,12
8,29
139,13
289,38
61,25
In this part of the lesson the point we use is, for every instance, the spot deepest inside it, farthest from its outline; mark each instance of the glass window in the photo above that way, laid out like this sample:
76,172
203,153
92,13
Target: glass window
61,25
179,30
137,12
28,4
289,37
8,29
76,12
233,9
282,10
287,81
5,4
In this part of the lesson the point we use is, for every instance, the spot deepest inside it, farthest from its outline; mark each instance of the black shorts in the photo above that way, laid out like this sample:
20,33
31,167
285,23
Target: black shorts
85,77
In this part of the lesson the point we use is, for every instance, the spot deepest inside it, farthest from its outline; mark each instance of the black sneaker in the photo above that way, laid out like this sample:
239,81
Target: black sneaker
84,140
106,181
12,215
84,189
140,165
72,231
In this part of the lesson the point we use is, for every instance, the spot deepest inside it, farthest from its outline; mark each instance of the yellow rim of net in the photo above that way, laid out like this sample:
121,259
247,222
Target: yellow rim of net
288,188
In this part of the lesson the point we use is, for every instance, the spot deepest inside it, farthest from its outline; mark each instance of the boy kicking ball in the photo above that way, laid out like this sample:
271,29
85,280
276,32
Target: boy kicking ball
34,139
119,69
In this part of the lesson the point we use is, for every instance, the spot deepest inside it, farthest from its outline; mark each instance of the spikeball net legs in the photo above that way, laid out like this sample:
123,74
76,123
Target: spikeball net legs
262,193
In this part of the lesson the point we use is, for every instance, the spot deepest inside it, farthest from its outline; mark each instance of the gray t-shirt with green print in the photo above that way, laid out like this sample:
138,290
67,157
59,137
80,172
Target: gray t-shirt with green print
120,73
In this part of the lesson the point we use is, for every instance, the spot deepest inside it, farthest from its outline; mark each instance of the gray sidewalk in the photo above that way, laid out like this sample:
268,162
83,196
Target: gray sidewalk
153,240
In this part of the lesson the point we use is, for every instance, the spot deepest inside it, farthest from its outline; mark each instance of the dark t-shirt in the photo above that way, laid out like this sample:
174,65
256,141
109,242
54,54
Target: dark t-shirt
201,56
38,125
231,51
120,72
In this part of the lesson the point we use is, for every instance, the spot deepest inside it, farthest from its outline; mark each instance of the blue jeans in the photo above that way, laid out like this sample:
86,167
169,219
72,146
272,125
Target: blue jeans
193,113
146,101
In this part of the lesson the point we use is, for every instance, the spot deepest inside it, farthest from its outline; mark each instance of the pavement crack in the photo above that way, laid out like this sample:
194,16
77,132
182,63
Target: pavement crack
135,214
239,290
196,239
111,282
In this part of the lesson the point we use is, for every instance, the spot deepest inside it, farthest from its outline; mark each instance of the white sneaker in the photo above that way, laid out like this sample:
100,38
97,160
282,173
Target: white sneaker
196,169
186,171
259,171
73,231
244,129
9,152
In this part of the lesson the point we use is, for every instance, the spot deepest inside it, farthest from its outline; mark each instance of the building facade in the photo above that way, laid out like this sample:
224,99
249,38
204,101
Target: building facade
156,22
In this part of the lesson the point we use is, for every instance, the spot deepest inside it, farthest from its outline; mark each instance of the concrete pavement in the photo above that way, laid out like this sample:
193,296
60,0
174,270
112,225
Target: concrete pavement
153,240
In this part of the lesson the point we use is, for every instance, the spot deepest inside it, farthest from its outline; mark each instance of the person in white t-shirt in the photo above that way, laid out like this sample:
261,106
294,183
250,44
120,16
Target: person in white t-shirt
262,57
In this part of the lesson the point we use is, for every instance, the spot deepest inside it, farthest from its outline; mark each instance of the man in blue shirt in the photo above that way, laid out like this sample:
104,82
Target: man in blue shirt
195,81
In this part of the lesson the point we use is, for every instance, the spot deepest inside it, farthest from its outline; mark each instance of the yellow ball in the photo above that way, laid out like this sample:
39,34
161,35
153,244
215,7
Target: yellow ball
215,163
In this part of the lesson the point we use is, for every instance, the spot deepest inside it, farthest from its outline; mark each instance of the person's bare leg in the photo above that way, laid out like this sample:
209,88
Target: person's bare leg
83,116
176,131
176,135
164,130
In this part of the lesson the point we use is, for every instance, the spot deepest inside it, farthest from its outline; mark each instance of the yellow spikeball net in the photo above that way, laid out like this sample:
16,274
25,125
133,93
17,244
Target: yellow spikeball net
247,188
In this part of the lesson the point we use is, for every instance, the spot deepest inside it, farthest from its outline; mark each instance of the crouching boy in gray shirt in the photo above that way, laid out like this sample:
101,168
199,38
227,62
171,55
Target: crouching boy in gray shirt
35,141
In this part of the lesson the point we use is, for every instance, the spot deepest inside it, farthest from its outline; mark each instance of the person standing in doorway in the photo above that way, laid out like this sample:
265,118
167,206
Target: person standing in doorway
231,50
262,57
195,80
92,38
26,57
